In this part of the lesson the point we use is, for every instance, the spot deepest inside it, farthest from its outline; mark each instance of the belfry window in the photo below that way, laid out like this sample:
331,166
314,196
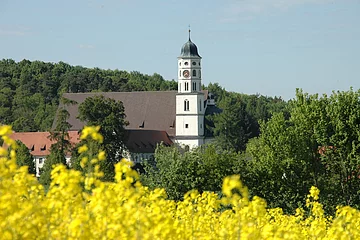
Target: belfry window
194,86
186,86
194,73
186,105
200,105
180,73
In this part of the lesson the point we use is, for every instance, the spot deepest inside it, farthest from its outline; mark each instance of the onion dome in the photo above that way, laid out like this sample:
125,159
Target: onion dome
189,49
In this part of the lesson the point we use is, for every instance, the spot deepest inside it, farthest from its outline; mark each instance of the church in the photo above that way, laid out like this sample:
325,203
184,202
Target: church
158,117
167,117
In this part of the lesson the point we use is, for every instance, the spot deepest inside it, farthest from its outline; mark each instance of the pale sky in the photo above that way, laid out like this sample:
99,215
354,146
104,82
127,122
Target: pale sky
270,47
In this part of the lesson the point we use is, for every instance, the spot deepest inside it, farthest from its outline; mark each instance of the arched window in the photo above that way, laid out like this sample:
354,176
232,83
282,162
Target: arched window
186,105
200,104
186,86
199,73
180,73
194,86
194,73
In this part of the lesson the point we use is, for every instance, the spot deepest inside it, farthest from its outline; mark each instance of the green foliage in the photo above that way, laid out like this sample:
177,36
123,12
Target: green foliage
318,145
201,169
24,158
59,149
239,120
234,126
110,115
94,147
30,91
55,157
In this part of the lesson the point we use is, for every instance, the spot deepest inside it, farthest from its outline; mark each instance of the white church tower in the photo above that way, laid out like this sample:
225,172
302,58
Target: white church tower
190,108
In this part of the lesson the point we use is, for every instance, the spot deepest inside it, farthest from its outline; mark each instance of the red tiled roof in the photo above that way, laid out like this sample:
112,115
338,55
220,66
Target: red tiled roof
39,143
139,140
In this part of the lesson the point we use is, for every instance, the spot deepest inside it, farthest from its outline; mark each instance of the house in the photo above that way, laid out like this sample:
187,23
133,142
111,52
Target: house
39,144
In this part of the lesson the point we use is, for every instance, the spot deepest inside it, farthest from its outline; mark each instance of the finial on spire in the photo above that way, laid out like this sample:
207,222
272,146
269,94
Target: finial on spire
189,32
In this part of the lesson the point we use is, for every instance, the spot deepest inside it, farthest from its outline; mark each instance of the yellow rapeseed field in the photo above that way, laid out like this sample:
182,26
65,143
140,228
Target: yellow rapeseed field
78,207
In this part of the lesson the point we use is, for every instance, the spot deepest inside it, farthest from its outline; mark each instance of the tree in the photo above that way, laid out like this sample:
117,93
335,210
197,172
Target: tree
55,157
178,173
59,148
318,145
110,115
234,126
24,158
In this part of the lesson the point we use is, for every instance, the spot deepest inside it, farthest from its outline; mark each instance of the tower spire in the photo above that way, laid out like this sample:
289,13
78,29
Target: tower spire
189,32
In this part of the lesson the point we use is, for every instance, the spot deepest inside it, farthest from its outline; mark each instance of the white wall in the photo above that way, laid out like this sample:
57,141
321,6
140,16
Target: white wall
195,125
40,160
192,143
194,104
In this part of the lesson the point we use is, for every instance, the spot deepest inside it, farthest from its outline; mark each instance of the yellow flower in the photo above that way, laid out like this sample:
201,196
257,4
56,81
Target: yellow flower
78,207
83,148
101,155
314,193
5,130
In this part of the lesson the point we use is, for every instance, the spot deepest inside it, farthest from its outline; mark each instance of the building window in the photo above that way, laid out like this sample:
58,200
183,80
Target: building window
200,125
179,63
186,86
194,86
194,63
200,105
186,125
180,73
186,105
186,63
199,73
41,160
194,73
199,86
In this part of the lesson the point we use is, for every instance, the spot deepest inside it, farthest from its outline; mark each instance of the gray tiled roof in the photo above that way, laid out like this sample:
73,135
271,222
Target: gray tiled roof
146,141
145,110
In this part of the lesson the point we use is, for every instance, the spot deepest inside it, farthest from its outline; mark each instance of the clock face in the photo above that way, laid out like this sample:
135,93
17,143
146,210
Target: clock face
186,73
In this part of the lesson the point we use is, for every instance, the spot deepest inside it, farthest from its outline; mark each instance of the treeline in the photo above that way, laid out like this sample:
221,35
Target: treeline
30,91
314,142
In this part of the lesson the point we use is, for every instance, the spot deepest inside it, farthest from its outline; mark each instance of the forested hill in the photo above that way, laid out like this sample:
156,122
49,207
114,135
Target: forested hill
30,91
